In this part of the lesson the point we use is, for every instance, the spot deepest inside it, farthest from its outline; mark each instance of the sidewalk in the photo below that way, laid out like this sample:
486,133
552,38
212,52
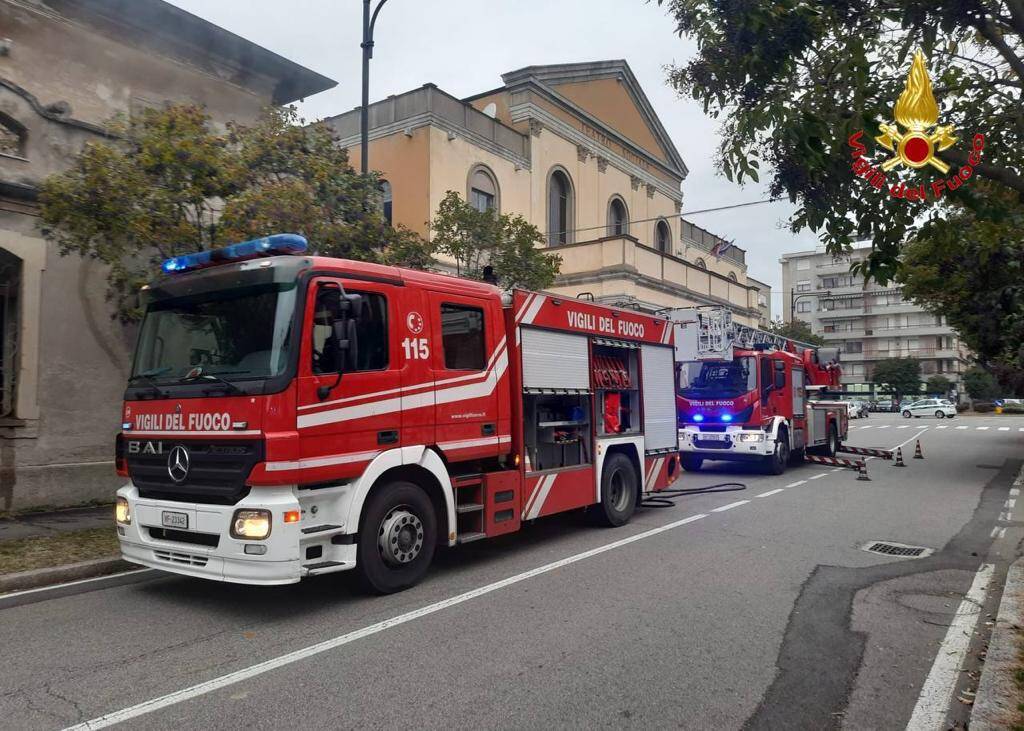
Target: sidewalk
39,549
998,704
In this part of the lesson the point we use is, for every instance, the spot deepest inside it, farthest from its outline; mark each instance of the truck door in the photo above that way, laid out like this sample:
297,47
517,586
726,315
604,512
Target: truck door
470,360
348,407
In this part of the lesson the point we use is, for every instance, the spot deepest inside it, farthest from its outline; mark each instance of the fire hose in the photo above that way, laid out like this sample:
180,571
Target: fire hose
666,498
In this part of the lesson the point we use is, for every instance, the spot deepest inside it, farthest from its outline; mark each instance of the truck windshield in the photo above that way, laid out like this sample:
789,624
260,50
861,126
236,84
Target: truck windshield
234,334
717,379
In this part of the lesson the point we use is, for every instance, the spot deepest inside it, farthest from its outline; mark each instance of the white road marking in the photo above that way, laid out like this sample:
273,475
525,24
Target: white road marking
1014,491
883,426
942,427
1006,516
961,427
865,427
290,658
798,482
54,587
937,692
981,428
1020,428
1011,503
818,477
922,426
776,491
730,506
997,532
1004,428
837,469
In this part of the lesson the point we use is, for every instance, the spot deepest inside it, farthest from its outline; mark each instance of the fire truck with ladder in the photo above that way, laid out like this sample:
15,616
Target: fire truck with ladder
747,395
290,415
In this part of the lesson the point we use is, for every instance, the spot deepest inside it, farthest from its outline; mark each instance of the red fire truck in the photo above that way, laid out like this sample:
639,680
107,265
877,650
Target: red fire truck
291,415
747,395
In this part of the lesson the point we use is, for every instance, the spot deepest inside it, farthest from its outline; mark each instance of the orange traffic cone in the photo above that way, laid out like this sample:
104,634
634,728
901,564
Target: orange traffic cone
918,454
899,458
862,471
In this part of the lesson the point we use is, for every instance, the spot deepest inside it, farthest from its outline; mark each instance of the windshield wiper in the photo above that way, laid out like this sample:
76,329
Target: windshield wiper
147,376
228,385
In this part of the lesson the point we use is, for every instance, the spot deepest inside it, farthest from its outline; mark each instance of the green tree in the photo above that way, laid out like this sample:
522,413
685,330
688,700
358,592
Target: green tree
796,330
980,385
791,81
938,385
169,183
899,376
509,244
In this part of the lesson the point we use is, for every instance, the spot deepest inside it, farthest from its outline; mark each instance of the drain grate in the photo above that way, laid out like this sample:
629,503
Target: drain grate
901,550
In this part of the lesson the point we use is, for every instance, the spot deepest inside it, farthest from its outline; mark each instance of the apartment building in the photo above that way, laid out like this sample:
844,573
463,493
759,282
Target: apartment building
868,322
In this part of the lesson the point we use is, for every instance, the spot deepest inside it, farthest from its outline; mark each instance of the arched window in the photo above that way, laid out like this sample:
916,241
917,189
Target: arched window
560,207
483,189
385,201
618,217
700,263
732,276
12,137
663,237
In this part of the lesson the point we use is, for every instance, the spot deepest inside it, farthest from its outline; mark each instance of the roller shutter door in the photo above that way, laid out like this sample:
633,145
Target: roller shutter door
555,361
659,394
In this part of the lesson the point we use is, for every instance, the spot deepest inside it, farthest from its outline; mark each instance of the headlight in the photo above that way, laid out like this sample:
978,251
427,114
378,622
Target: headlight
250,524
122,513
755,437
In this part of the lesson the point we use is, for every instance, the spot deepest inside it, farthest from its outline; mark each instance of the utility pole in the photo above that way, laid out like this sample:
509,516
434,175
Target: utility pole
369,20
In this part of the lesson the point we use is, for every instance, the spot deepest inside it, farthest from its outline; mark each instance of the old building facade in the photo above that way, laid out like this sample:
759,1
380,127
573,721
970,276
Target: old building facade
66,67
577,150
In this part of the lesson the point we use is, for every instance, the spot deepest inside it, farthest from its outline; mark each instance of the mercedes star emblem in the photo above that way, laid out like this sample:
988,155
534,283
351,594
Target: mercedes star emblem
177,464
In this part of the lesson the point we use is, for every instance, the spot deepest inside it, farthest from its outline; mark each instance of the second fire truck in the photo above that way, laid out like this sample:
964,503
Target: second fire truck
746,395
292,415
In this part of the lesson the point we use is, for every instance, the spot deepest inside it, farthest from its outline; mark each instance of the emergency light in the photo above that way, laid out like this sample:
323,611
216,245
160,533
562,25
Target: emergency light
267,246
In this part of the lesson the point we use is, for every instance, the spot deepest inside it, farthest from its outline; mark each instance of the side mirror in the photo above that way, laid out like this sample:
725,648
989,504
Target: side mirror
779,381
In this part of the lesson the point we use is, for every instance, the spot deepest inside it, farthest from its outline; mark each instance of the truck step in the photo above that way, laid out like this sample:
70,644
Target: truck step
469,508
320,528
470,537
467,480
323,566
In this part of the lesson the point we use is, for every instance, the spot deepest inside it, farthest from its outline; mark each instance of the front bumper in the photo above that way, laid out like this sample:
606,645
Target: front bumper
733,443
282,563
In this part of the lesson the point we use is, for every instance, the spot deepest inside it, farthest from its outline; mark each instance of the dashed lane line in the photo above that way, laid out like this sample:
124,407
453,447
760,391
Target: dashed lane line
942,427
981,428
730,506
882,426
905,426
1004,428
798,482
818,477
776,491
961,427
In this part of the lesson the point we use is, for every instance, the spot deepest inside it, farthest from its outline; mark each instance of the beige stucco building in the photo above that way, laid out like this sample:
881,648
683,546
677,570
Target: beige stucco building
578,151
67,66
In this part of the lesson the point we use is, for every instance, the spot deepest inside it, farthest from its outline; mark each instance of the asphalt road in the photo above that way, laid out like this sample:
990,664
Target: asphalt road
753,609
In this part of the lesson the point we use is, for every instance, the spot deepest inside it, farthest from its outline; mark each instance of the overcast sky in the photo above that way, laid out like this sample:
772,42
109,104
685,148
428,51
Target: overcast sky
464,46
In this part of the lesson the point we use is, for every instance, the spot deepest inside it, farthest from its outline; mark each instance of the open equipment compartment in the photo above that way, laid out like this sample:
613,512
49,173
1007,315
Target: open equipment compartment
615,386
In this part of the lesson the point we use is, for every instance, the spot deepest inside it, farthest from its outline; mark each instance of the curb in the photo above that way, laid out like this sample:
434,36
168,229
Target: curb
995,705
60,574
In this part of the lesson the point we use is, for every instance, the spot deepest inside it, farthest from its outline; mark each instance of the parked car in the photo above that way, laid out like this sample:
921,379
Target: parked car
857,409
884,405
939,408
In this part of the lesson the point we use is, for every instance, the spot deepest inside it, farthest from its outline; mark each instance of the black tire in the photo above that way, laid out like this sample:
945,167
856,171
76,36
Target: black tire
620,488
940,414
775,463
832,445
796,456
402,511
907,414
691,462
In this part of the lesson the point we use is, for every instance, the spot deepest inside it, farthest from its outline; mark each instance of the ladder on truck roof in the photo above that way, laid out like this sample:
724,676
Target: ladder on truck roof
709,333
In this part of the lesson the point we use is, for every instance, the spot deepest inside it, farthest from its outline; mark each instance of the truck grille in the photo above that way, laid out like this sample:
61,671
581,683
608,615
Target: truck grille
711,444
182,559
217,471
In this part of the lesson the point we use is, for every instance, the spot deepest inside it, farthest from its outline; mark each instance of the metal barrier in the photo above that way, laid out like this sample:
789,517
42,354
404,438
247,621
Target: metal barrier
867,451
853,464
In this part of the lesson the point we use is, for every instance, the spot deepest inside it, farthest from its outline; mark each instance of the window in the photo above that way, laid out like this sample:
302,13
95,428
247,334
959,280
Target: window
618,217
803,306
762,301
803,264
732,276
369,324
560,210
803,285
12,137
700,263
385,201
10,326
483,189
854,346
462,337
663,237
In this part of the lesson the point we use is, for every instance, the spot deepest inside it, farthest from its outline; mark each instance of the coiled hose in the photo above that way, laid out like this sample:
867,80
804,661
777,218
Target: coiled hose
665,498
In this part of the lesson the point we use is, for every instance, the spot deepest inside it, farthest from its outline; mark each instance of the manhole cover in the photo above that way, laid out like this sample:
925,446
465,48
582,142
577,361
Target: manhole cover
900,550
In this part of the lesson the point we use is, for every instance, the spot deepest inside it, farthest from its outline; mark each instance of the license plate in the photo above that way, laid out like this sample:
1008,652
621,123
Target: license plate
174,520
713,437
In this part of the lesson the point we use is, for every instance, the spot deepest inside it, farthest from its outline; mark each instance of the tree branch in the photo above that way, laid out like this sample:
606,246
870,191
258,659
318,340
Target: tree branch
989,32
1016,8
993,172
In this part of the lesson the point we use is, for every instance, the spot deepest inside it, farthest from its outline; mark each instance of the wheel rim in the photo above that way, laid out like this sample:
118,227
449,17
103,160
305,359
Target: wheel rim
940,415
618,492
782,451
400,537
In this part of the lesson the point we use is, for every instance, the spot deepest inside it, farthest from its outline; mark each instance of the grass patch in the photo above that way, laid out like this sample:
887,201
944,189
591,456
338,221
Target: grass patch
26,554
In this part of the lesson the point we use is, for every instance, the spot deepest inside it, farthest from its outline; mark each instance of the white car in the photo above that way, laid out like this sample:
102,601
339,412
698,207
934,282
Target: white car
856,409
939,408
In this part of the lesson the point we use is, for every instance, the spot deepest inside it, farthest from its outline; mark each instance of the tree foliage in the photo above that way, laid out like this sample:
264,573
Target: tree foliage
938,385
980,385
170,183
508,243
899,376
791,81
796,330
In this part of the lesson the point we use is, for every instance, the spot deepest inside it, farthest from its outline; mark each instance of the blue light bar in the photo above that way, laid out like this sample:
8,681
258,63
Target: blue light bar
726,417
698,417
267,246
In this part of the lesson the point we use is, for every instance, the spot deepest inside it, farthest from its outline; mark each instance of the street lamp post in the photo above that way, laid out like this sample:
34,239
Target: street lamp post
369,20
794,298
